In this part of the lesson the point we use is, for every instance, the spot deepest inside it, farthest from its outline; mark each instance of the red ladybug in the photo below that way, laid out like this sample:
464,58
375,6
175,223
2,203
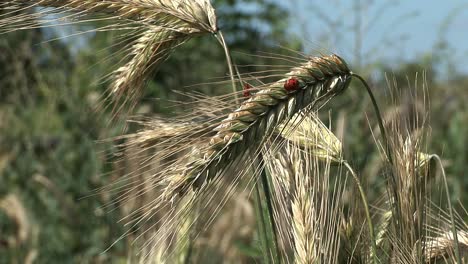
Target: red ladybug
291,84
247,89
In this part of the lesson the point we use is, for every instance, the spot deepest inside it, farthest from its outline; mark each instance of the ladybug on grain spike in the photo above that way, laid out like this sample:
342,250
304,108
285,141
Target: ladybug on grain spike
291,84
247,90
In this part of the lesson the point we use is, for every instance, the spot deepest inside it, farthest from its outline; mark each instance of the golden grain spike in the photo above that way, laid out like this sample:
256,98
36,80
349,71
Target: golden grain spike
164,24
199,15
150,50
315,81
442,247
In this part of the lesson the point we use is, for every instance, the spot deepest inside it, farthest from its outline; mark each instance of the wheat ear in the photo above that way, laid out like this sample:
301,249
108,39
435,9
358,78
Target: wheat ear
198,15
150,50
318,80
165,25
444,245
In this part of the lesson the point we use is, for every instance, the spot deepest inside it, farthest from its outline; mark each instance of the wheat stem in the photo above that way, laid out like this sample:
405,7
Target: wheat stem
379,117
386,142
366,210
268,197
221,40
452,218
262,230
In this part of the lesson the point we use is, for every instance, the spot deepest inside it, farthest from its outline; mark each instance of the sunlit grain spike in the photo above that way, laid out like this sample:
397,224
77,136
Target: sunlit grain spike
197,15
165,25
317,80
442,247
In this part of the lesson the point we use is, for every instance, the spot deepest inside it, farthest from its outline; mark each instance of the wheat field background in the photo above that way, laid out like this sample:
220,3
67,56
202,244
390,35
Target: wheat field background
197,131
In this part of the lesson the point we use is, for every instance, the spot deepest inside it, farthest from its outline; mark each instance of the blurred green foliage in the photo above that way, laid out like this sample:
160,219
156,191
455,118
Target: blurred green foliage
50,160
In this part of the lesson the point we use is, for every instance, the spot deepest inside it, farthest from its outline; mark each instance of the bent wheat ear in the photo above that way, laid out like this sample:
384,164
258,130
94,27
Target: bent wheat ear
165,25
442,247
198,15
247,128
149,51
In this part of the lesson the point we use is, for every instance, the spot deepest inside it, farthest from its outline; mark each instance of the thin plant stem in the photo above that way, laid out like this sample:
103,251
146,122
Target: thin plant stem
386,142
268,198
189,254
262,233
379,117
366,210
192,237
452,218
220,38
